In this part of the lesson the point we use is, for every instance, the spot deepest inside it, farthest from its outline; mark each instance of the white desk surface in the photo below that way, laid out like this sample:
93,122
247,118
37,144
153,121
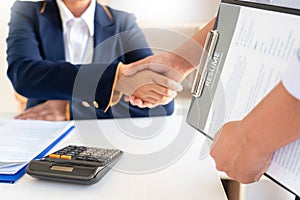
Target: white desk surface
188,177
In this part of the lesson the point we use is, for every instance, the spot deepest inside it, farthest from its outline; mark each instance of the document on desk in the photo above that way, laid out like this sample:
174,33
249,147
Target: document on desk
23,140
262,46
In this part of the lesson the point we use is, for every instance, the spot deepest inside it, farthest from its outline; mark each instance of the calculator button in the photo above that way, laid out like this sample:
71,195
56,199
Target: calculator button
65,157
54,156
86,155
91,159
79,158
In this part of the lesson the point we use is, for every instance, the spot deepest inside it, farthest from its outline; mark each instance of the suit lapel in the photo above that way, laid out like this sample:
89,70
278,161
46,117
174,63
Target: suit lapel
51,32
104,28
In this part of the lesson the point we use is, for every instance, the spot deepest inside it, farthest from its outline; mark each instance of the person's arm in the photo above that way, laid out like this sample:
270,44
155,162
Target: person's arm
191,50
176,64
243,149
275,120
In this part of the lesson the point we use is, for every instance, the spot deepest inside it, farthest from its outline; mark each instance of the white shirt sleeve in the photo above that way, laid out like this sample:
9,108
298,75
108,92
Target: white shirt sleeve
291,78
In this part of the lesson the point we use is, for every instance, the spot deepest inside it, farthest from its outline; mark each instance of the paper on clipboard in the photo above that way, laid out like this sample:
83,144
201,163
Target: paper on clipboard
261,47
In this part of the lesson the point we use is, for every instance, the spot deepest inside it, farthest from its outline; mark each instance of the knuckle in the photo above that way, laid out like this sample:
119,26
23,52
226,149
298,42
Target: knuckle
169,83
173,94
166,82
160,98
165,91
220,168
155,102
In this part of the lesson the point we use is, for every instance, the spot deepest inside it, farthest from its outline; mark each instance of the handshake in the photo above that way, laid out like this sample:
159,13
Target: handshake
147,88
147,83
154,80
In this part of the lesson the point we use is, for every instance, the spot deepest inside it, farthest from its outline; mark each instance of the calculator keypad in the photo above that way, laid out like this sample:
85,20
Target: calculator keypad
86,154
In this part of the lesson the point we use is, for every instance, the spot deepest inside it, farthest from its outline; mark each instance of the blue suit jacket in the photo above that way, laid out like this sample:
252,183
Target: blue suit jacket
38,70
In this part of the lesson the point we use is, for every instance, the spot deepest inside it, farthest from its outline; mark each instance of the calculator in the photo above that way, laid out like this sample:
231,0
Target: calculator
75,164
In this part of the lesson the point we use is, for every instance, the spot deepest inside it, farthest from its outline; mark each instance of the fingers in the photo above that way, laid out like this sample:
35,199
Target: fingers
128,85
47,117
141,104
163,91
151,95
156,94
32,113
126,98
138,102
243,161
167,82
51,110
52,116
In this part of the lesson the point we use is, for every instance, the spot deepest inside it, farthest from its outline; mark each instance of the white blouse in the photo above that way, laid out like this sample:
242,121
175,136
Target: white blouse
78,33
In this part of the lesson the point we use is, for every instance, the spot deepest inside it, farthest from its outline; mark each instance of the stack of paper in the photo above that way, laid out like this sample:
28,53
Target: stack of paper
24,140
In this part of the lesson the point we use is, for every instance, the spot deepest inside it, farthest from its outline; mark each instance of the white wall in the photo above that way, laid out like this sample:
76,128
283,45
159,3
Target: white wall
7,100
168,11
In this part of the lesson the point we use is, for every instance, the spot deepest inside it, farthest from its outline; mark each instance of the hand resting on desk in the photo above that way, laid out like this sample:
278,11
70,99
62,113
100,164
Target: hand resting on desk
51,110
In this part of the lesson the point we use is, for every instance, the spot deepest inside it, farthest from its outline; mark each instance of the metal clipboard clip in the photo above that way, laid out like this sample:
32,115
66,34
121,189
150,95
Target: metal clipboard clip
207,55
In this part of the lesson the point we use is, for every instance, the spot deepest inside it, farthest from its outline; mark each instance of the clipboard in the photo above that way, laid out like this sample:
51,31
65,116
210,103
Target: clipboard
211,105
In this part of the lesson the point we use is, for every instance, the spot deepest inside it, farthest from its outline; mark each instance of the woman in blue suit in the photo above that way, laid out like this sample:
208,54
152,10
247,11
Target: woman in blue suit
64,50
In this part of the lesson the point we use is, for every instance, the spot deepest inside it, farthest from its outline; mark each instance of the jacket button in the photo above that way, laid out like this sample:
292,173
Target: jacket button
95,103
85,104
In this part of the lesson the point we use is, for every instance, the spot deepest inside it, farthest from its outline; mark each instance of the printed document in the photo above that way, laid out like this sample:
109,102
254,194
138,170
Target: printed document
23,140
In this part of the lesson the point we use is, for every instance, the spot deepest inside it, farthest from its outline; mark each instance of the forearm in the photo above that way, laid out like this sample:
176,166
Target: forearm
63,81
42,79
191,50
274,122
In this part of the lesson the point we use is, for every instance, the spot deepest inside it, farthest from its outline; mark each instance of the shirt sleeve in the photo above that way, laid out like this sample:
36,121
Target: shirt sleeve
291,78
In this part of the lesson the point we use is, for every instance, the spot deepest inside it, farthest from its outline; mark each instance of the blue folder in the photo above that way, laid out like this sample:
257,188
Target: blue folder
12,178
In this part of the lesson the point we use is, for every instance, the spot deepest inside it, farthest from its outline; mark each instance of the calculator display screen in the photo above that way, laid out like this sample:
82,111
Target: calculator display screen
62,168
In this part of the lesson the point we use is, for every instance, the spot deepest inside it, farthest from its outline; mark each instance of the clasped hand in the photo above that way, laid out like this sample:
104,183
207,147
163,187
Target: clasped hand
167,69
147,86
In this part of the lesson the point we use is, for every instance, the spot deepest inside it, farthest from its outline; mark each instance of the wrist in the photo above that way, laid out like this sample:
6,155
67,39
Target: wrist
274,122
256,141
179,63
